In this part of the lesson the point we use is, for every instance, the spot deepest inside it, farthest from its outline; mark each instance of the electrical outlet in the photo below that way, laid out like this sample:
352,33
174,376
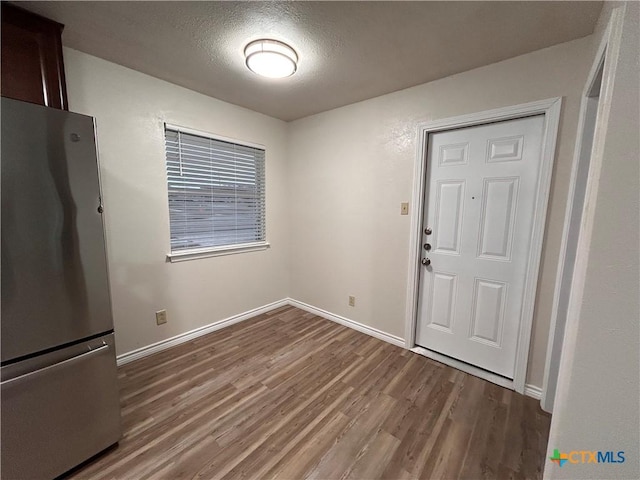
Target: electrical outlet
161,317
352,301
404,208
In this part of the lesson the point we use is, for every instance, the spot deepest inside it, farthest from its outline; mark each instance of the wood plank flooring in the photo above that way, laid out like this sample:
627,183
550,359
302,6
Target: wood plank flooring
290,395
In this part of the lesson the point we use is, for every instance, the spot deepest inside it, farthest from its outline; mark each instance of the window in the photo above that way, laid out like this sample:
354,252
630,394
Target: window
216,193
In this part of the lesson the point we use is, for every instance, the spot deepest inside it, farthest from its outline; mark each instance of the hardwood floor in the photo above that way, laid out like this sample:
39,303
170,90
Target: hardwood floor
290,395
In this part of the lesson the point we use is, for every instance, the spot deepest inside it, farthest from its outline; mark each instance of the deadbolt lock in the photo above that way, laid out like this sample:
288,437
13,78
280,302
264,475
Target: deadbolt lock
427,231
427,246
426,262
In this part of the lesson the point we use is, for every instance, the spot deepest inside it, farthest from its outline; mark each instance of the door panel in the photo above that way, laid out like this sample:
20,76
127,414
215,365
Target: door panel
489,298
504,149
454,155
449,205
442,295
479,204
498,217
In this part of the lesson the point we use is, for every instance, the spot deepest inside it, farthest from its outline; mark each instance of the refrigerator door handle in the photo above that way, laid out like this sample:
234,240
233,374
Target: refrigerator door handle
68,361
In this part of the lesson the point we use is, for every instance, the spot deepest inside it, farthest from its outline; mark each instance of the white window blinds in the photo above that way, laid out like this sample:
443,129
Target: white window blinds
216,191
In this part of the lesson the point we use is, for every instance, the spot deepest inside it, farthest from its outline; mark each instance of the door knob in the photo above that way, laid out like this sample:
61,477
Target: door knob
426,262
427,246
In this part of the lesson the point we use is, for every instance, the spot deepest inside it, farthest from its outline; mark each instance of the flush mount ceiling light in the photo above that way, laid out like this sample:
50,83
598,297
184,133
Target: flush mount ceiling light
271,58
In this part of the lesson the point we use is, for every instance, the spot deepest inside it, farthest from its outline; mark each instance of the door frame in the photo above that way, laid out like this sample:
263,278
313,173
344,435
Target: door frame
604,62
550,108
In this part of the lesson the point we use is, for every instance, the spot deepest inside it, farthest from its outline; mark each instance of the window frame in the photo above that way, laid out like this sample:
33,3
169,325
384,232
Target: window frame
205,252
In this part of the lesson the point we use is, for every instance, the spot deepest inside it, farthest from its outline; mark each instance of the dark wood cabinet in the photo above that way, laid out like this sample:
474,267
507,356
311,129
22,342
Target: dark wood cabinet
32,66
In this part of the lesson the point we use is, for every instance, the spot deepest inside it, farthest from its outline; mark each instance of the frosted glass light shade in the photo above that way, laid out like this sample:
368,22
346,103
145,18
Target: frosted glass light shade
271,58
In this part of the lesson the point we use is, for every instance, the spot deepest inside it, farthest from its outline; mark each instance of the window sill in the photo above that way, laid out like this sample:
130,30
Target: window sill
215,251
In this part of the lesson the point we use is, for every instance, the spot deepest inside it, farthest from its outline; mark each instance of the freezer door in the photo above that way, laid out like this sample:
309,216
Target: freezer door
54,271
56,416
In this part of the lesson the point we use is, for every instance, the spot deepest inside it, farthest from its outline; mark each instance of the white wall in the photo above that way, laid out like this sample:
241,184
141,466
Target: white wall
597,403
350,169
334,186
130,108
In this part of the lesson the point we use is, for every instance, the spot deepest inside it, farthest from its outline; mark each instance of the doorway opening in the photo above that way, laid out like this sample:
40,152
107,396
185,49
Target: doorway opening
505,149
571,236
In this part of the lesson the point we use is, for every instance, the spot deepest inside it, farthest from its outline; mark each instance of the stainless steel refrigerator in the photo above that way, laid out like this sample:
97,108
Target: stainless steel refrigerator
59,392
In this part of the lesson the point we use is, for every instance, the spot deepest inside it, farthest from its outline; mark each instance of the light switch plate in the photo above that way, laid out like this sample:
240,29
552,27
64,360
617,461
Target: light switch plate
404,208
161,317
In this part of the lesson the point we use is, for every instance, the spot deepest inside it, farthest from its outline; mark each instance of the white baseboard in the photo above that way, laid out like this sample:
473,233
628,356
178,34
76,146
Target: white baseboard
533,391
529,390
464,367
198,332
374,332
212,327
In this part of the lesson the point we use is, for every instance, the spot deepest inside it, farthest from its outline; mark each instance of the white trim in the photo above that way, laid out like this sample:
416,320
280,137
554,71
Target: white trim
212,327
552,354
550,108
529,390
139,353
198,332
532,391
374,332
214,136
540,107
216,251
465,367
608,50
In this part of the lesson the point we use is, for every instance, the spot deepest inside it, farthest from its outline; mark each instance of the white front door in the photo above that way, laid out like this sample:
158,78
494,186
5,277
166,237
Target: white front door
480,200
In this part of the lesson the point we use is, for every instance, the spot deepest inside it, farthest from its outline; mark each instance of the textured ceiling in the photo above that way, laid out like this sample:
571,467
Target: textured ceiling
349,51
